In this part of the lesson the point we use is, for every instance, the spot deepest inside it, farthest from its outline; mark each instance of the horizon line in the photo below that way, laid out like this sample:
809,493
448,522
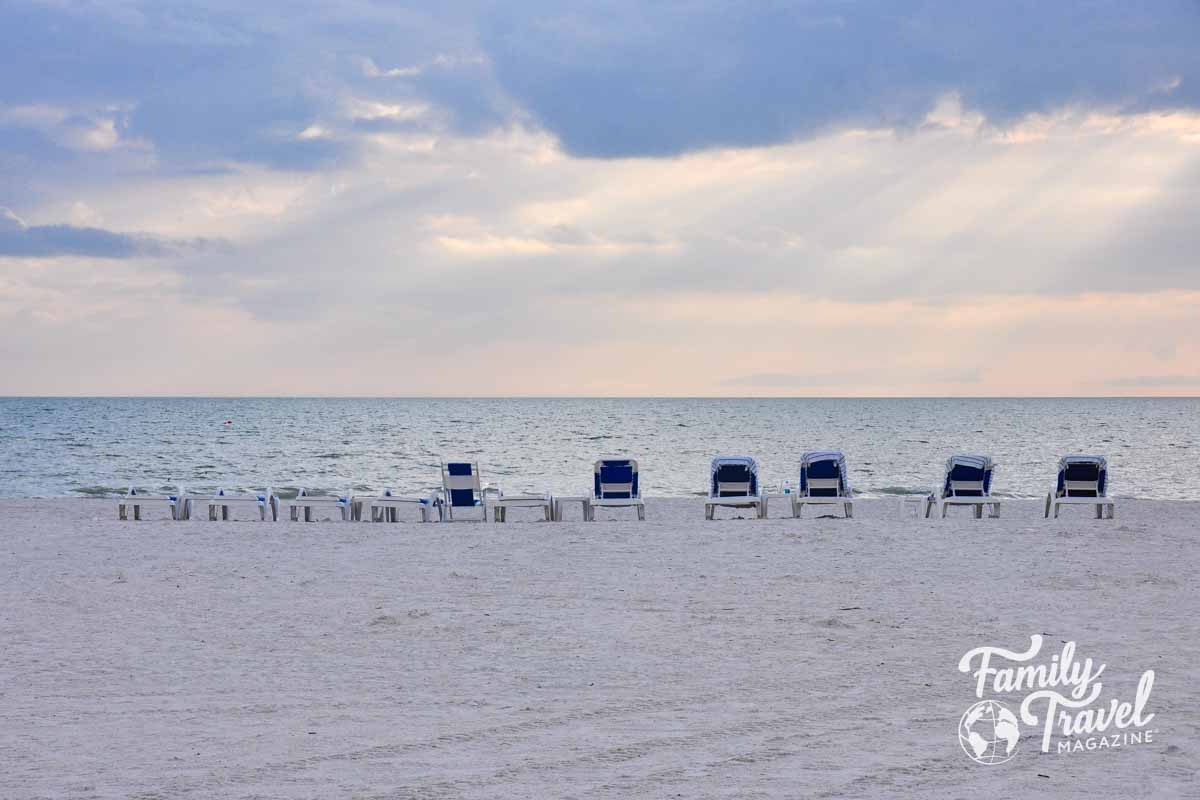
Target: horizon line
587,397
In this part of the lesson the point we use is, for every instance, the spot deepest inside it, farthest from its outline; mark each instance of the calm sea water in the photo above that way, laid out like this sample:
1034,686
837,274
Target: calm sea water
98,446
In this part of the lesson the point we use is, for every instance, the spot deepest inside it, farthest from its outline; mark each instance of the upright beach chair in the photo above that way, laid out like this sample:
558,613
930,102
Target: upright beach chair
461,490
1082,481
386,507
223,500
823,481
341,504
968,482
734,484
133,501
615,485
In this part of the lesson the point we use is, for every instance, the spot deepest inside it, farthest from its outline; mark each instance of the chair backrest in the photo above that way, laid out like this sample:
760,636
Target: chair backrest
460,479
616,479
823,474
968,476
734,476
1082,476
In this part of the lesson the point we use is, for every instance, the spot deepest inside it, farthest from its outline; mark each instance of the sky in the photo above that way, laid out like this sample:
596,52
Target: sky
686,197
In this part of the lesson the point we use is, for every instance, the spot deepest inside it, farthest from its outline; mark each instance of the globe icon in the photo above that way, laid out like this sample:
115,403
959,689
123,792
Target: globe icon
988,732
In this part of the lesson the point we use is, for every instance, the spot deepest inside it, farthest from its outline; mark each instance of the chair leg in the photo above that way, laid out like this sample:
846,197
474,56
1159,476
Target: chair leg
641,513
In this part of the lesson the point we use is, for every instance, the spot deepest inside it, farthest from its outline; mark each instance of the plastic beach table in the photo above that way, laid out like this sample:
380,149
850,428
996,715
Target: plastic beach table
560,499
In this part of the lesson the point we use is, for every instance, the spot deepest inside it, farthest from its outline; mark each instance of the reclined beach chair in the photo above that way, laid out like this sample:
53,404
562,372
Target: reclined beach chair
968,482
823,481
615,485
461,490
266,503
386,507
133,501
503,501
1083,481
734,484
343,505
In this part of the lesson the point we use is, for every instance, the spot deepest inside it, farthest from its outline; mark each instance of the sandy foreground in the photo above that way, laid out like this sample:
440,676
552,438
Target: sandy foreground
671,658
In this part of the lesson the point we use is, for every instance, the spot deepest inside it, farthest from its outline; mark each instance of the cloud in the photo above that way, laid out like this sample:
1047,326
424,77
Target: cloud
1153,381
850,377
637,79
210,83
48,241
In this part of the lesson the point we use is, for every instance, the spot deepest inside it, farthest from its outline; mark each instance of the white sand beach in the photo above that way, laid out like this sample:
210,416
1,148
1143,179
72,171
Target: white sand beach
671,658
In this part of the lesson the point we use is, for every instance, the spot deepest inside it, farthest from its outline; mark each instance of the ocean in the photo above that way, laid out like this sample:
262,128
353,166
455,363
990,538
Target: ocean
100,446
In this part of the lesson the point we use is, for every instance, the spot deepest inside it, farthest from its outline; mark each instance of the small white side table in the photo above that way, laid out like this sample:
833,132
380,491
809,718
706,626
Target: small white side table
559,499
912,505
766,501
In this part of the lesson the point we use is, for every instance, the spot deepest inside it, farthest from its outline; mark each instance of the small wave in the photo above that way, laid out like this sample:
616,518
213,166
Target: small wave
98,491
899,490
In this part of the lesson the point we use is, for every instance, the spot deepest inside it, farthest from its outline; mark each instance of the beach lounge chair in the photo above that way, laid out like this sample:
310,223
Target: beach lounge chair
968,482
342,504
503,501
133,501
1083,481
461,490
734,484
823,481
615,485
386,507
265,502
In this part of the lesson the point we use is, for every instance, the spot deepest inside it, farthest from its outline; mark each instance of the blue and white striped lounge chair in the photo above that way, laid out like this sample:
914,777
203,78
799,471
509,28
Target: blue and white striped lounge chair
133,501
461,490
734,484
342,504
968,482
386,507
223,500
615,485
824,480
1082,481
